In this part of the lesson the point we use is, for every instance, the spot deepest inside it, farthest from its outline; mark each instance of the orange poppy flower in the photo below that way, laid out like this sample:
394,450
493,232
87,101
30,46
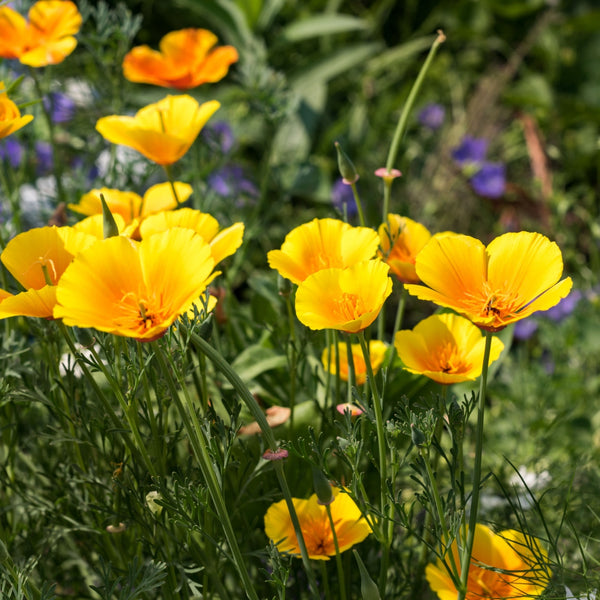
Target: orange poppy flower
350,526
135,289
10,116
344,299
516,275
185,60
504,565
401,239
130,205
164,131
45,38
37,259
446,348
377,351
322,244
222,243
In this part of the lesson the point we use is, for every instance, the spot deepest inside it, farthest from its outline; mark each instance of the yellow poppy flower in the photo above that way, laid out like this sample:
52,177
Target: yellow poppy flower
45,38
37,259
222,243
185,60
130,205
344,299
515,276
401,239
377,350
350,526
135,289
10,115
164,131
504,565
446,348
322,244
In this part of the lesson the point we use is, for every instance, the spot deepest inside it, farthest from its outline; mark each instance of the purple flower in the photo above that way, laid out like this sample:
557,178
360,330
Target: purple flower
219,137
12,151
565,307
524,329
432,116
490,180
60,107
470,150
44,159
342,195
230,182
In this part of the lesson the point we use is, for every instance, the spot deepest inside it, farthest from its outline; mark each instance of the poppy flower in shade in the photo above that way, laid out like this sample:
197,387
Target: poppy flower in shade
130,205
401,239
222,243
10,115
135,289
322,244
344,299
164,131
45,38
350,526
446,348
504,565
37,259
516,275
186,59
377,350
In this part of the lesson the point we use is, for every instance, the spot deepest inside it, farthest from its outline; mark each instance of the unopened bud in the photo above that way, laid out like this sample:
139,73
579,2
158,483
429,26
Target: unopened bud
347,170
322,487
109,226
417,436
284,286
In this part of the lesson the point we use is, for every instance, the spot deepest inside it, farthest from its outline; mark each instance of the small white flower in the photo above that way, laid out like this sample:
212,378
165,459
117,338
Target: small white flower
570,596
68,363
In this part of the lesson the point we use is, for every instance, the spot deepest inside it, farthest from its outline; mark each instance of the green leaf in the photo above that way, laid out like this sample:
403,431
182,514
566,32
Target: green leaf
255,360
324,24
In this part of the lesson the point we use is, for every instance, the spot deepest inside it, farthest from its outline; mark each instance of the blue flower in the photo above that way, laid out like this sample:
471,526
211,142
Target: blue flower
44,158
12,151
219,137
565,307
342,195
60,107
490,180
230,182
525,328
432,116
470,151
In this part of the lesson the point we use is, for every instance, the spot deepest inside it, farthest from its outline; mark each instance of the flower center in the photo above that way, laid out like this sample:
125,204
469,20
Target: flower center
500,304
448,360
349,307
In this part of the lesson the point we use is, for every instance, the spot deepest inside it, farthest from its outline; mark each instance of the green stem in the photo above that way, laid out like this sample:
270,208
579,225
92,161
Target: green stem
292,358
468,548
198,442
169,174
338,557
361,216
244,393
403,121
381,444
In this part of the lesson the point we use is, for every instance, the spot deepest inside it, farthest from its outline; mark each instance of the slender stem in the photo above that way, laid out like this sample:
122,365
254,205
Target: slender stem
244,393
381,443
196,435
468,548
169,173
402,122
292,358
338,557
361,216
397,325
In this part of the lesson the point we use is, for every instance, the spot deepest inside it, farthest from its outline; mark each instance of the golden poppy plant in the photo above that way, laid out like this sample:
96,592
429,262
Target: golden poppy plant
222,243
322,244
446,348
37,259
350,526
10,115
504,565
163,131
377,351
132,206
401,239
135,289
186,60
516,275
344,299
45,38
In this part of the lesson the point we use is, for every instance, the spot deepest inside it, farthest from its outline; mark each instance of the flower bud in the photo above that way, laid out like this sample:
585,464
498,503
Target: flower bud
347,170
417,436
322,487
109,226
